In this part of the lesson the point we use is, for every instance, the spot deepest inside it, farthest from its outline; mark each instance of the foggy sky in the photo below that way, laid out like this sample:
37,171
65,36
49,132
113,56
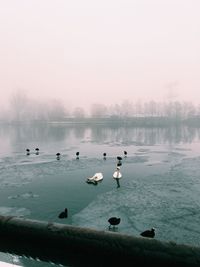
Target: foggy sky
87,51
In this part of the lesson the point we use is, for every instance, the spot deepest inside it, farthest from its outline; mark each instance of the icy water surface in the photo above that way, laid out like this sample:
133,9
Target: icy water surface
160,186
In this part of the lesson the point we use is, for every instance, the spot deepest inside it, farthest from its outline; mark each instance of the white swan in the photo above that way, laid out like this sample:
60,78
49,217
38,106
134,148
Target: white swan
95,178
117,174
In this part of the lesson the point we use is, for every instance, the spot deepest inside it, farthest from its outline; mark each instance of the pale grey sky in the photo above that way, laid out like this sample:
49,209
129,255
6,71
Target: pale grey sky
87,51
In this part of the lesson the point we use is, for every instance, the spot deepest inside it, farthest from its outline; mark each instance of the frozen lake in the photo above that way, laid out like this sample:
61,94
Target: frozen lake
160,186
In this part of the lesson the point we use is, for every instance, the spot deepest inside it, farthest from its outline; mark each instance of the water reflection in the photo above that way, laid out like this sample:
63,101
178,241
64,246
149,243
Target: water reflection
98,134
80,131
118,183
58,156
117,176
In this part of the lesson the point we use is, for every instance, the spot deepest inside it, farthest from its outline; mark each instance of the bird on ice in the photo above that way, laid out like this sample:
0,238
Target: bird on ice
148,233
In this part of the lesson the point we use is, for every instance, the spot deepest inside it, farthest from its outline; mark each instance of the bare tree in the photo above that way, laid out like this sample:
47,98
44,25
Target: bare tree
18,103
151,108
115,111
138,109
98,111
79,113
127,109
189,110
56,110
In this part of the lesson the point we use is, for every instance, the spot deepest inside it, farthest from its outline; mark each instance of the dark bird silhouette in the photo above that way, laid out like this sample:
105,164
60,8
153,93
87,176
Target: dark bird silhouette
114,221
119,164
148,233
63,214
119,158
77,155
125,153
37,150
58,156
104,155
27,151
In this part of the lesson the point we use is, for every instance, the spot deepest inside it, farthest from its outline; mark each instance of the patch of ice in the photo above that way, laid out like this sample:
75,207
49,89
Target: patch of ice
143,150
169,202
136,159
182,149
5,264
29,195
176,154
14,211
24,196
151,163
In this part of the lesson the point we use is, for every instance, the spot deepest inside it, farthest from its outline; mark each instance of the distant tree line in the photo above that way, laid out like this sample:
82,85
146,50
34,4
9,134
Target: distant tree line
23,108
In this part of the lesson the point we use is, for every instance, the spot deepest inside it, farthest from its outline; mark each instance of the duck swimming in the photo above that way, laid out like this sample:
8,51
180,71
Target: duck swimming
63,214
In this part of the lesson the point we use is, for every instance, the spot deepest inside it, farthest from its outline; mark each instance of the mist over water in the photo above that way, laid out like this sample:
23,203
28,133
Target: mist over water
24,109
